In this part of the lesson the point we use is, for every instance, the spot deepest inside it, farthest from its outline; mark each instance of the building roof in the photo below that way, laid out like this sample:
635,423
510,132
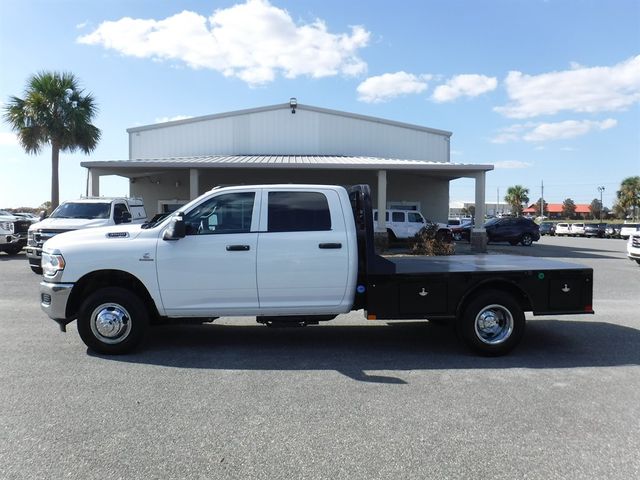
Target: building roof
317,162
557,208
281,106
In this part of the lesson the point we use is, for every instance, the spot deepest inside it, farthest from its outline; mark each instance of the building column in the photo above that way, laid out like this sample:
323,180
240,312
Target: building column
194,181
479,234
382,200
93,183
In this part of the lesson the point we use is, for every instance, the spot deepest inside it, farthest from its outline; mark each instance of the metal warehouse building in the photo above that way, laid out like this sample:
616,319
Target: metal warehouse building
407,166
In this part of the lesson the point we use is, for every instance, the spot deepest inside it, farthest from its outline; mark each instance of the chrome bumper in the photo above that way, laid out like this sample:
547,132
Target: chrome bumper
13,238
53,301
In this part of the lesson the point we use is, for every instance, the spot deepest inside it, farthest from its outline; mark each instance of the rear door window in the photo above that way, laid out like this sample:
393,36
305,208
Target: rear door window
298,212
397,217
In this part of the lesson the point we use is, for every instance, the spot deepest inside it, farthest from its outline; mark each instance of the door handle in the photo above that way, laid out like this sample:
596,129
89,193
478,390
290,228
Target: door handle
330,245
238,248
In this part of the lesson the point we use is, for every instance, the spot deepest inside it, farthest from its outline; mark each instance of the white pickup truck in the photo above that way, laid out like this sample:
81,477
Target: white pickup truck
292,254
13,232
89,212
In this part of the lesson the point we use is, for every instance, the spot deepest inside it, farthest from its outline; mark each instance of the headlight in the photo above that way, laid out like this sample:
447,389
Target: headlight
7,226
52,264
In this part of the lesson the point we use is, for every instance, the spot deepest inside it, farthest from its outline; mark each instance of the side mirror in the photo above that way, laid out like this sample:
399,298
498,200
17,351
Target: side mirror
43,215
123,217
177,229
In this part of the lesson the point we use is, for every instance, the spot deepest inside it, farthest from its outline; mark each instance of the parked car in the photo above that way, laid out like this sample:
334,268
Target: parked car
80,214
27,216
547,228
577,229
633,247
404,224
629,228
563,229
595,230
13,233
613,230
462,231
512,230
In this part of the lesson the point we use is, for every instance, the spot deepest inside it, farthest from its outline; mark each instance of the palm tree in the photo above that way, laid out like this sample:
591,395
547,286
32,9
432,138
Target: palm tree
629,194
517,196
54,111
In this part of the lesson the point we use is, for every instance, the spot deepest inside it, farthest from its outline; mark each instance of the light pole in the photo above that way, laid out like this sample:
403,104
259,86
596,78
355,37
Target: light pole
601,189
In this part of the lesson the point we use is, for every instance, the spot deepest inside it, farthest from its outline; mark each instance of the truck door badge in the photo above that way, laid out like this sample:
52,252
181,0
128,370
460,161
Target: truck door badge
146,258
566,288
423,292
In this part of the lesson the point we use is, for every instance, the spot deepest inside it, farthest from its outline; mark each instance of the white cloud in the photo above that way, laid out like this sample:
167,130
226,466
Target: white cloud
253,41
81,25
510,164
541,132
580,89
390,85
8,139
566,129
172,119
469,85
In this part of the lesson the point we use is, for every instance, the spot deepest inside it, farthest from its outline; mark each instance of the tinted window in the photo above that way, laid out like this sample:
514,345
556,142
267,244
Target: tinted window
414,217
397,216
82,210
119,209
228,213
298,212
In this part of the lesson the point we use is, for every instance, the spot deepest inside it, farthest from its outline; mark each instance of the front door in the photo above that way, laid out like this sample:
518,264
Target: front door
303,256
212,271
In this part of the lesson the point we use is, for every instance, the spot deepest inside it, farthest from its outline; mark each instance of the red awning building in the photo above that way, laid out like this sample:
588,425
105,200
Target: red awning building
554,210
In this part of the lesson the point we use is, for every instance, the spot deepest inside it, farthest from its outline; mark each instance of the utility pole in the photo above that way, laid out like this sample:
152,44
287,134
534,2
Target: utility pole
601,189
542,198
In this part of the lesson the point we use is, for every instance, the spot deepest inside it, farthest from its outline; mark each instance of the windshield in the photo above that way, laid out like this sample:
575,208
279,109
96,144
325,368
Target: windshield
4,212
89,211
491,222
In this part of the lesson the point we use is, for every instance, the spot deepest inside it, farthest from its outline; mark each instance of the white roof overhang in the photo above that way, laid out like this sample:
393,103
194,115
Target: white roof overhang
130,168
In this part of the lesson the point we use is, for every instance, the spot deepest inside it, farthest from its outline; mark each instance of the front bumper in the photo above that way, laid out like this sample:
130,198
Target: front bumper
53,301
13,239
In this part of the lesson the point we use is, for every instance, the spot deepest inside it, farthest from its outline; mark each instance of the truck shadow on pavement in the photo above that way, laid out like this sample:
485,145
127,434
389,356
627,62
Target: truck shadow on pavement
394,348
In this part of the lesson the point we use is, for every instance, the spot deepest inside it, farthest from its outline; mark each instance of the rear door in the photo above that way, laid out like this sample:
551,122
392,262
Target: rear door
303,257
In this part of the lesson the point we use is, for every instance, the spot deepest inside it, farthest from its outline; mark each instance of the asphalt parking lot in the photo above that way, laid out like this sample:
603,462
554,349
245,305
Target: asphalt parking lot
349,399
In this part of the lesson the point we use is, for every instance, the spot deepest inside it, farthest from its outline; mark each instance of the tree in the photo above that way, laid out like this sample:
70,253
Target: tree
595,208
536,206
517,196
568,208
619,211
54,111
629,195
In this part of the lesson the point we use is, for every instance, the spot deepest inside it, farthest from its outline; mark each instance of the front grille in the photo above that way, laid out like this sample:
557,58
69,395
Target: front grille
21,226
41,236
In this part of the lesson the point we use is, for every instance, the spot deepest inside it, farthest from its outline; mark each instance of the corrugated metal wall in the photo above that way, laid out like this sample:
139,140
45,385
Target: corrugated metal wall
280,132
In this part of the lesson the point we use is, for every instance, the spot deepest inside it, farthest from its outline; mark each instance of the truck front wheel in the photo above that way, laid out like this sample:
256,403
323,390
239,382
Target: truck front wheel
112,321
492,323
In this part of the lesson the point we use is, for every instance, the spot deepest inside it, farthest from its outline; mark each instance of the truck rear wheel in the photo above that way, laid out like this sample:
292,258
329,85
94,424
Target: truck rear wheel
112,321
492,323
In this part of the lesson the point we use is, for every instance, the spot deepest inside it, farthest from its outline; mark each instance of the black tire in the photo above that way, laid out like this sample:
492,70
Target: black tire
37,270
112,321
638,262
391,236
489,307
526,239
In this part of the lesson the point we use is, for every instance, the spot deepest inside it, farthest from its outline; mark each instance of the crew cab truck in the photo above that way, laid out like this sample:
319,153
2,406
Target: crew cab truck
288,253
88,212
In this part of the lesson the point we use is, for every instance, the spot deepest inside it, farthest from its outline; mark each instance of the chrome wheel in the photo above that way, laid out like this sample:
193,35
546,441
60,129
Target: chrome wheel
493,324
526,240
110,323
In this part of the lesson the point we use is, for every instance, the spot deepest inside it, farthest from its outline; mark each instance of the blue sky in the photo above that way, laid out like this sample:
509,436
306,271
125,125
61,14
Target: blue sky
545,90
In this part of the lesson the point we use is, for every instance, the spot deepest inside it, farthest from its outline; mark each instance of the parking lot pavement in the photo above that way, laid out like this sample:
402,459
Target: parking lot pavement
349,399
